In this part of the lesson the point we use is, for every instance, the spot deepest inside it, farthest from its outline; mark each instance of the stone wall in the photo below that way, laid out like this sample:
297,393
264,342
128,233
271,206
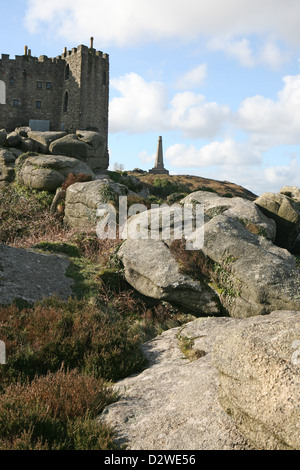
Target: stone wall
29,80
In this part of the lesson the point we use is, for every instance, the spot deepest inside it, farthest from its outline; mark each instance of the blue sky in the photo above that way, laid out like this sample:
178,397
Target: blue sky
219,80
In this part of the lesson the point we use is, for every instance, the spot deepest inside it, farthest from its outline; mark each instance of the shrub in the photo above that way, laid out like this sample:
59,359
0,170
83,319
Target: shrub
163,187
72,179
55,412
25,216
76,334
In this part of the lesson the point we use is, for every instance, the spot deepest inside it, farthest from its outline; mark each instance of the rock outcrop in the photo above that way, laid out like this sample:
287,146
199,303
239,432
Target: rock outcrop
89,148
256,276
240,391
84,199
48,172
43,140
173,404
152,270
259,378
30,276
285,212
238,208
251,275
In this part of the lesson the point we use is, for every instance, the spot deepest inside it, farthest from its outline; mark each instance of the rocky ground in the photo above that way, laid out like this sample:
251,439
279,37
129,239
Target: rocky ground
229,377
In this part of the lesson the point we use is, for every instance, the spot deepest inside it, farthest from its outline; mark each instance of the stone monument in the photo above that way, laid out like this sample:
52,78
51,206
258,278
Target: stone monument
159,168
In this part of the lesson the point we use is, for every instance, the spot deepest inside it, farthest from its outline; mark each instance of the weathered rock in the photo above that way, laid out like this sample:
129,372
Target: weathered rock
152,270
44,139
31,276
13,140
70,146
23,131
83,200
48,172
238,208
85,145
29,145
259,365
98,154
7,163
284,211
173,404
2,136
291,191
256,277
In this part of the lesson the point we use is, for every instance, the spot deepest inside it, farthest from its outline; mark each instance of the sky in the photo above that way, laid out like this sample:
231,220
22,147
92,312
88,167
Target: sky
219,80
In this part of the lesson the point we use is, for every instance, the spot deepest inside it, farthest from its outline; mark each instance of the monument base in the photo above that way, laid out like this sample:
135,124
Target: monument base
159,171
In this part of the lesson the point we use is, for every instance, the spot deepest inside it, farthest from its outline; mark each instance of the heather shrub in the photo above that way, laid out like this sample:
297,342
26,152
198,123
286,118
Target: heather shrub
75,334
25,216
55,412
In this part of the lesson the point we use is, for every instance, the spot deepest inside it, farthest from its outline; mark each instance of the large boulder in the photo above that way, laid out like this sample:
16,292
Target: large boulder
259,366
98,153
173,404
238,208
70,146
292,192
48,172
285,212
83,201
255,276
87,146
13,140
153,271
7,163
44,139
30,276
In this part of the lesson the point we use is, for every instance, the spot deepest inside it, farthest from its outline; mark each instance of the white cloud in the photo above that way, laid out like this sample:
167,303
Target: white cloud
273,122
238,49
272,55
256,178
145,106
226,153
124,22
141,106
193,78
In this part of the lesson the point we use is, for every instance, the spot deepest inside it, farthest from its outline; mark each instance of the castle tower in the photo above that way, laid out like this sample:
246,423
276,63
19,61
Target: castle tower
86,90
159,168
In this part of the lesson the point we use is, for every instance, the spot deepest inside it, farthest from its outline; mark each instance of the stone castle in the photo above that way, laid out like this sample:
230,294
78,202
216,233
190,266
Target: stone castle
68,93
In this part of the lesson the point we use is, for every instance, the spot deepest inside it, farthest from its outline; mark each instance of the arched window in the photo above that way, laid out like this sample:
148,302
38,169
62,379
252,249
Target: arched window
12,81
66,102
2,92
67,72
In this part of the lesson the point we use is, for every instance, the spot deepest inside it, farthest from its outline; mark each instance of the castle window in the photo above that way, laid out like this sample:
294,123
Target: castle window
67,72
38,104
2,92
15,103
48,86
104,78
66,102
12,81
39,85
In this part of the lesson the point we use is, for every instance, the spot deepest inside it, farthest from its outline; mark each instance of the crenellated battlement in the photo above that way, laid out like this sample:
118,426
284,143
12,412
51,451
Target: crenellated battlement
79,50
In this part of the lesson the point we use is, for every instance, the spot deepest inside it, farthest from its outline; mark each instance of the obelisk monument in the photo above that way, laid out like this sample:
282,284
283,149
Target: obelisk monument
159,168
